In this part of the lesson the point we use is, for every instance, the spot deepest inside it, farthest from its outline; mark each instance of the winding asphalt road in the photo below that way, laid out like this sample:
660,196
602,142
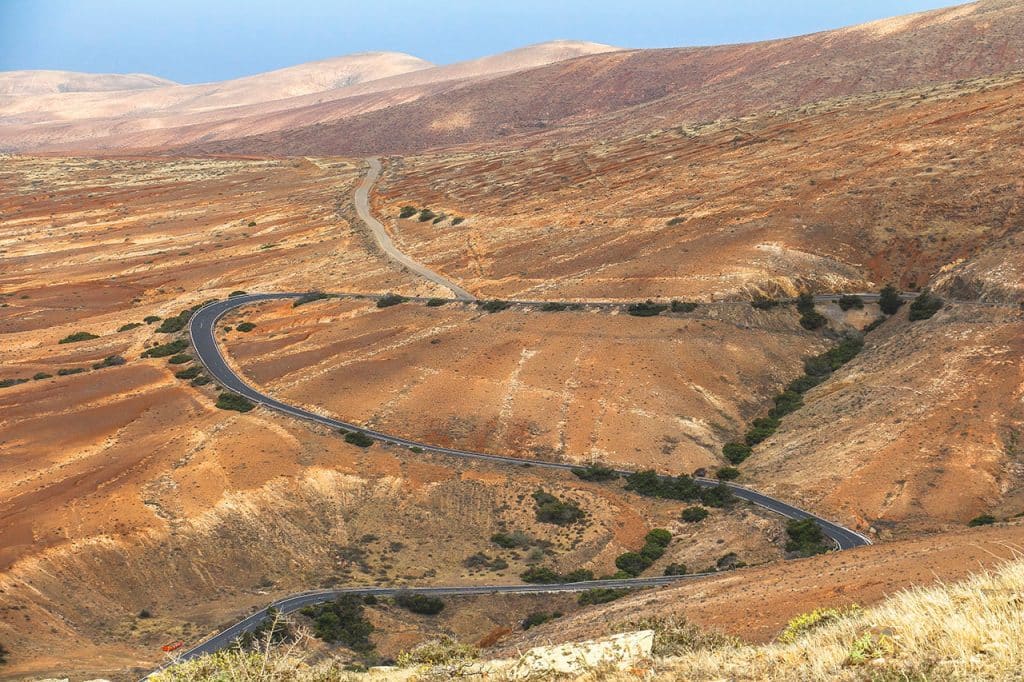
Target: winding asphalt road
202,333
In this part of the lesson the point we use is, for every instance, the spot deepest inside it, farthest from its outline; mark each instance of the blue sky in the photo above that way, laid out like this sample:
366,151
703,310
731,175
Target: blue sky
202,40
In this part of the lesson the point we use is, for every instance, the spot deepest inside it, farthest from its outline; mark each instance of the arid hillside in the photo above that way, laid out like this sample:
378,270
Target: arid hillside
844,194
641,90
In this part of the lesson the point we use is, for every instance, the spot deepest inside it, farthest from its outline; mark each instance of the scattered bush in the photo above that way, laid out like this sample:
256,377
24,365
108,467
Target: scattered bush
553,307
761,429
388,300
180,359
806,537
245,327
69,371
601,595
983,520
694,514
727,474
481,560
7,383
813,320
675,569
436,302
596,472
426,214
4,653
78,336
736,452
683,306
252,223
550,509
512,540
174,324
190,373
420,603
889,300
110,361
39,376
233,401
359,439
309,298
201,381
493,306
850,301
633,563
438,219
166,349
646,309
407,212
129,326
539,618
658,536
787,402
924,306
236,293
678,220
341,621
718,496
540,575
764,303
458,221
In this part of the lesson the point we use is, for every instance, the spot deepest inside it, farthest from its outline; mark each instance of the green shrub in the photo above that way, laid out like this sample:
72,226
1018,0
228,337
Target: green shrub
596,472
511,540
983,520
341,621
407,212
246,327
717,496
438,219
426,214
233,401
650,484
78,336
924,306
416,449
646,309
201,381
553,307
763,303
874,324
110,361
166,349
309,298
458,221
129,326
786,402
7,383
70,370
736,452
540,575
493,306
805,303
761,429
889,300
180,359
683,306
580,575
804,383
694,514
658,536
675,569
436,302
652,551
806,537
236,293
443,653
539,618
176,323
727,474
190,373
550,509
252,223
601,595
850,301
813,320
633,563
359,439
388,300
420,603
39,376
150,319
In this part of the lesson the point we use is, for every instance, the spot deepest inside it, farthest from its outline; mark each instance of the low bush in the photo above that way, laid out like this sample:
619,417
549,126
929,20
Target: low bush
596,472
540,575
129,326
924,306
236,293
806,537
813,320
309,298
646,309
436,302
481,560
420,603
550,509
179,359
176,323
539,618
889,300
727,474
874,324
150,319
78,336
388,300
512,540
850,301
763,303
190,373
166,349
201,381
983,520
717,496
787,402
426,214
736,452
671,222
407,212
694,514
633,563
494,305
553,307
438,219
110,361
805,303
658,536
601,595
683,306
39,376
245,327
359,439
68,371
7,383
675,569
273,629
341,621
233,401
761,429
458,221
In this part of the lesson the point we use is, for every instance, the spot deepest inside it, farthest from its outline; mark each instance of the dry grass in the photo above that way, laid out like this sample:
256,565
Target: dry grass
973,630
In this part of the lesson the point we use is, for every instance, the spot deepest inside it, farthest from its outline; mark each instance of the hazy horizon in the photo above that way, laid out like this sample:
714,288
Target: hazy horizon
194,41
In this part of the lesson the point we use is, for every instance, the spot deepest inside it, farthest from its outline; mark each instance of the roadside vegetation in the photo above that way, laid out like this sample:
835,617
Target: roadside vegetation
233,401
601,595
810,318
632,564
596,472
423,604
646,309
681,487
388,300
78,337
924,306
341,621
550,509
806,538
309,298
166,349
493,305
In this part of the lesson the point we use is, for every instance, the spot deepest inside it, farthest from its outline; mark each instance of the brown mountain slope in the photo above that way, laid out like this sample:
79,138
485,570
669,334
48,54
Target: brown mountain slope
600,93
24,83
